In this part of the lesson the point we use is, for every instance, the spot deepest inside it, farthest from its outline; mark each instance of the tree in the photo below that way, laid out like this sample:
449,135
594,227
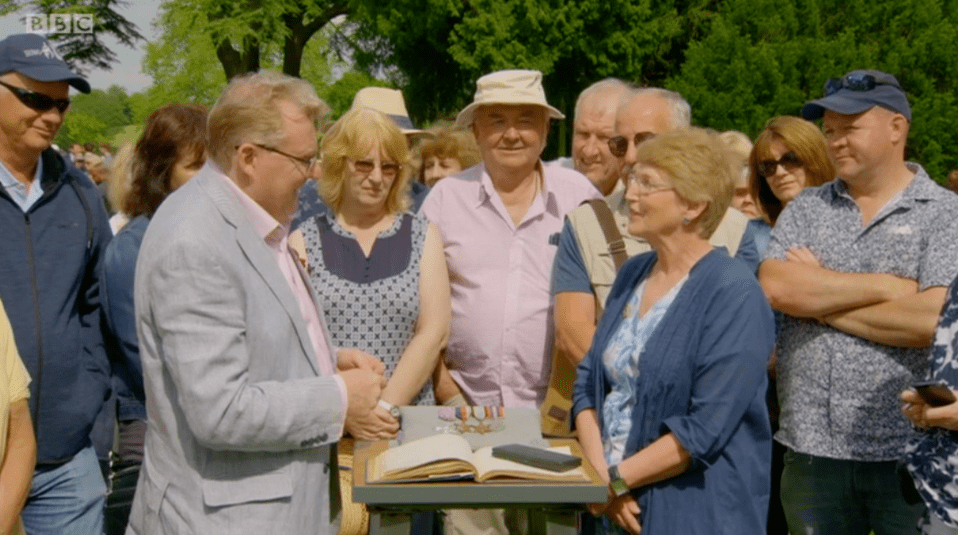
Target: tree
96,116
84,51
436,49
243,32
747,69
180,60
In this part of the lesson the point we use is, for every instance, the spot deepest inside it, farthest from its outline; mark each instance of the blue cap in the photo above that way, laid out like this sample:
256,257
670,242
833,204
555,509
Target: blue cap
859,91
33,56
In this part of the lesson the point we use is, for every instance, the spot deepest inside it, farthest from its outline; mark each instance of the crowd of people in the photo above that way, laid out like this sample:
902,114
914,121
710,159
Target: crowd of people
731,330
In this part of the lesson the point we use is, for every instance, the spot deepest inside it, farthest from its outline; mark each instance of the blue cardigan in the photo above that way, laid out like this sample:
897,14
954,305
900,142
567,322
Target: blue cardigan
704,379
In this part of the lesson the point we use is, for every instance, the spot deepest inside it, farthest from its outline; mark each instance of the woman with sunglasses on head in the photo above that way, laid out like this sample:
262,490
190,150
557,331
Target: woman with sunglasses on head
789,156
378,269
670,399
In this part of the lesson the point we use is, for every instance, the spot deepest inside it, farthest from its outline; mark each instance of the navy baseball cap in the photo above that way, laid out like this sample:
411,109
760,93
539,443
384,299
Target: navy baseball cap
859,91
33,56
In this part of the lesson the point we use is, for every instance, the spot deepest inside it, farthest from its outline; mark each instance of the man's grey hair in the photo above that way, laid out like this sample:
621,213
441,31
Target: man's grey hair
608,86
681,110
247,111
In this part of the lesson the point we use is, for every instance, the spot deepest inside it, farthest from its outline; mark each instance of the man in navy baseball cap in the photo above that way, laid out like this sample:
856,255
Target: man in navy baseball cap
868,255
33,56
55,235
859,91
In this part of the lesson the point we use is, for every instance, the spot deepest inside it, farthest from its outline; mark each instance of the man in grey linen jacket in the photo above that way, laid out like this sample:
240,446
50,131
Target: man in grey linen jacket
244,401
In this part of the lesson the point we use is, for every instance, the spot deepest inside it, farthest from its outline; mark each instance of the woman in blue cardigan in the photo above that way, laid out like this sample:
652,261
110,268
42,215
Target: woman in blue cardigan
670,400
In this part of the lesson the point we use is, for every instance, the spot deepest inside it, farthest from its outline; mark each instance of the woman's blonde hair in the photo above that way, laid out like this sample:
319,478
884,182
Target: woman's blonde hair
697,165
353,136
806,141
120,177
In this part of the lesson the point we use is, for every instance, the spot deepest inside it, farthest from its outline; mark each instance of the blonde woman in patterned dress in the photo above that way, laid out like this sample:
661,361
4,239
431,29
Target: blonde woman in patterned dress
377,268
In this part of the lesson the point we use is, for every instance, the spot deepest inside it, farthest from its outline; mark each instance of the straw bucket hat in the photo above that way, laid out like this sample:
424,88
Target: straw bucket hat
508,87
388,101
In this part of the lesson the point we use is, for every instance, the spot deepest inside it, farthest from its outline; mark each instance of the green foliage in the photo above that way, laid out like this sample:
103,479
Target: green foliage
339,95
96,116
184,61
81,128
760,59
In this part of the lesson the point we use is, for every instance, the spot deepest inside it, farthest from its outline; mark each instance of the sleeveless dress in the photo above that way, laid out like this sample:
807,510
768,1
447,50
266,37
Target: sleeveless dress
369,303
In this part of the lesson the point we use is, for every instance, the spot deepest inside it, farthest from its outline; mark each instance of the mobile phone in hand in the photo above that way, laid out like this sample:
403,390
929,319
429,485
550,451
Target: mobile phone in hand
934,393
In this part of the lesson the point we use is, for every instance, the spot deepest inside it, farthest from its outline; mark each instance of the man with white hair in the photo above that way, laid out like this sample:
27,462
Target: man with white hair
595,238
500,222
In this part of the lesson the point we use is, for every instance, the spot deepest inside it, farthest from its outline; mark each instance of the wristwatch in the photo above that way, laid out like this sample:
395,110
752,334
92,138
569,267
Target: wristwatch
391,409
617,485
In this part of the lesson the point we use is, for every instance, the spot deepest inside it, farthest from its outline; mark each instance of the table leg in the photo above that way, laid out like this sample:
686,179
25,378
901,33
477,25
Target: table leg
388,523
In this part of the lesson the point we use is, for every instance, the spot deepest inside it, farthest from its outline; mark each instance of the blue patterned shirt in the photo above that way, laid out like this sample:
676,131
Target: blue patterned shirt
933,456
621,360
839,392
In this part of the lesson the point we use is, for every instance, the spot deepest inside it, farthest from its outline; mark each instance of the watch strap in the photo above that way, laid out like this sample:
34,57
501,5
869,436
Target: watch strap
617,485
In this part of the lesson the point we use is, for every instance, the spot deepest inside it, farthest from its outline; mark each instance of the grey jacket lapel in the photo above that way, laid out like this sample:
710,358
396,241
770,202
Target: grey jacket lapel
259,254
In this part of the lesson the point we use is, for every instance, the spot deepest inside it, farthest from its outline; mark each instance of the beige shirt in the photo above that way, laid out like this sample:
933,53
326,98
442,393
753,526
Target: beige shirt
14,385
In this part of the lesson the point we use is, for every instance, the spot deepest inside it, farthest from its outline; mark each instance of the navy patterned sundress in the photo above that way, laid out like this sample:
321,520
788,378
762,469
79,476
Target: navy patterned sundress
370,303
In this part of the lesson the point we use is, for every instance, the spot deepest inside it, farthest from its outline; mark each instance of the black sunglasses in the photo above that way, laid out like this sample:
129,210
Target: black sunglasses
858,81
789,161
38,101
619,145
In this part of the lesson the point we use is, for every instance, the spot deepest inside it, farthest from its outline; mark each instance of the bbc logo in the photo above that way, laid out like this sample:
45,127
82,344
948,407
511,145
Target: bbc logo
60,23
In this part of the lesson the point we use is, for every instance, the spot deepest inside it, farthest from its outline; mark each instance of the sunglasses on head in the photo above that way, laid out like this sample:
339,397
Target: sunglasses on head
619,145
789,161
37,101
858,81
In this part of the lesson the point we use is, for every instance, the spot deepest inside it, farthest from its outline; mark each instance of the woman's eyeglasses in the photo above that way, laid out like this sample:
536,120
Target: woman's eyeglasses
38,101
388,170
619,145
789,161
858,81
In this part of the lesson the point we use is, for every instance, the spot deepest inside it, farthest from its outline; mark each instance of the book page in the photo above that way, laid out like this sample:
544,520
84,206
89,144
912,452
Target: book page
424,451
488,467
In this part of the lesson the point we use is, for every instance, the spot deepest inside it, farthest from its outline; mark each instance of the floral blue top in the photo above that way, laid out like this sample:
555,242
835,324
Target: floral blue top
621,360
932,457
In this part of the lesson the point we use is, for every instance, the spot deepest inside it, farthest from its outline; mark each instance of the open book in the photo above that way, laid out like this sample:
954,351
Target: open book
447,457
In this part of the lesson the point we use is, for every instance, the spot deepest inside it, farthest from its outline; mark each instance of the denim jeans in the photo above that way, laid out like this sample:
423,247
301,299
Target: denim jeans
824,496
67,498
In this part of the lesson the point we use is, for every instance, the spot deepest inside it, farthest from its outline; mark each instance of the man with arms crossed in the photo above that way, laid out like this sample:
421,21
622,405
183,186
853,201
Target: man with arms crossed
859,266
244,400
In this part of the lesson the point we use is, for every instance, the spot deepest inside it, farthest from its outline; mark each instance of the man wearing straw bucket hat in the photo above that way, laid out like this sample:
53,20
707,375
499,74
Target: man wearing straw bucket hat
500,221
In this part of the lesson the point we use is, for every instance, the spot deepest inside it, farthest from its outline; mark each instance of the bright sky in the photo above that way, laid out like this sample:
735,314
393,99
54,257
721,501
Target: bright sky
126,72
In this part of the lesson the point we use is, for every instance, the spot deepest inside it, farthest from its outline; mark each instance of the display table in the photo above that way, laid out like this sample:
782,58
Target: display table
552,506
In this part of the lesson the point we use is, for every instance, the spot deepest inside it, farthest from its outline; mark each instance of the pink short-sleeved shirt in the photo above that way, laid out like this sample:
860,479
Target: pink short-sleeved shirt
502,327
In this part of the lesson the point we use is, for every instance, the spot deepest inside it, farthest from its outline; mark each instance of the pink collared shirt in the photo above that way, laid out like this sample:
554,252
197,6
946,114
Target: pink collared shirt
502,328
276,237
